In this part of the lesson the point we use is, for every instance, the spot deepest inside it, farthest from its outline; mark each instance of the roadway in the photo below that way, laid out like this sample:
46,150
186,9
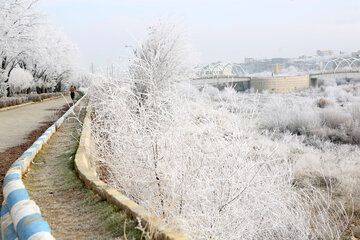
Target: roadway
17,124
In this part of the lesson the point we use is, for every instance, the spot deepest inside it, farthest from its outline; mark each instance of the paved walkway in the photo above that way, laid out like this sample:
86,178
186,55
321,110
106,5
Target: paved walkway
17,124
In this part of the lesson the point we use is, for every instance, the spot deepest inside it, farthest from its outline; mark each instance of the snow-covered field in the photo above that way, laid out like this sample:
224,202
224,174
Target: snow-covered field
226,165
317,129
320,131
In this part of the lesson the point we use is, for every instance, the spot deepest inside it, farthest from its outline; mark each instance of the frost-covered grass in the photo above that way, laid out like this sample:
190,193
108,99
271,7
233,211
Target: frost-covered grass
200,160
329,113
316,130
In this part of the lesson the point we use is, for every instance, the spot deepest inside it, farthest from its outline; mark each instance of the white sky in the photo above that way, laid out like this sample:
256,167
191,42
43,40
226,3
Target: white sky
227,30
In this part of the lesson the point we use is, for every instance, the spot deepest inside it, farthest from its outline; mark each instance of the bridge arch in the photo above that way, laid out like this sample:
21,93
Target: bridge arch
339,62
355,60
242,69
221,68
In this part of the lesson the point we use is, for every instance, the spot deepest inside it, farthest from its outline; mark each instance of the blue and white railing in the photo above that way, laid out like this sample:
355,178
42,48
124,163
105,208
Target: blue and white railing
20,216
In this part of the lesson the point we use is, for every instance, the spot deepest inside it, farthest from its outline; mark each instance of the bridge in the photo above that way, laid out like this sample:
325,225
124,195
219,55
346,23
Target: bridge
240,83
223,75
354,74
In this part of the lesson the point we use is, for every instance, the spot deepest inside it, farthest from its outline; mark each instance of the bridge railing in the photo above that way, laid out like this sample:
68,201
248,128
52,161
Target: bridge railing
341,63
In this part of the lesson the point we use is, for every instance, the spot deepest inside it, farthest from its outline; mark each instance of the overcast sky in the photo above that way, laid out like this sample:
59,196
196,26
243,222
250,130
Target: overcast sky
220,30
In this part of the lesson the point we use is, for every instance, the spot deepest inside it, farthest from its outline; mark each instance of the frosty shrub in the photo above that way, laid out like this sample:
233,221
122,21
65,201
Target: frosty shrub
286,116
338,94
20,80
213,93
355,114
194,163
324,102
335,118
11,101
356,135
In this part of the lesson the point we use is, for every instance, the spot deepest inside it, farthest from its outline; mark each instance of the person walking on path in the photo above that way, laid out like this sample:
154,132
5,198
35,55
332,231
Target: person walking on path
72,92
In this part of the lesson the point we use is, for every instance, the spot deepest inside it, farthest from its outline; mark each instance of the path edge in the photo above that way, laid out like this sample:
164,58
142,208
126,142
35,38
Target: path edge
28,103
21,217
87,172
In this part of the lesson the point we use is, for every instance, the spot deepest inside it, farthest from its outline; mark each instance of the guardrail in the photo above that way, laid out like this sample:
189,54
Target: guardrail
87,171
21,217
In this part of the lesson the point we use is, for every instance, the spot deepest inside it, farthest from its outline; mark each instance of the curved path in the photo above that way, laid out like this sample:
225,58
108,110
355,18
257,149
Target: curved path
16,124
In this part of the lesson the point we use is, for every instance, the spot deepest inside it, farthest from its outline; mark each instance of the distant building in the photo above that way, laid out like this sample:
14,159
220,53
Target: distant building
324,53
356,54
304,57
321,66
249,60
280,60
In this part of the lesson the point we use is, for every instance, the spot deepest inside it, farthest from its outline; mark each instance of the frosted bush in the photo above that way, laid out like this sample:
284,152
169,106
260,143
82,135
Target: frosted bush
325,118
335,118
355,114
212,92
228,94
324,102
193,162
356,135
284,116
357,90
338,94
20,80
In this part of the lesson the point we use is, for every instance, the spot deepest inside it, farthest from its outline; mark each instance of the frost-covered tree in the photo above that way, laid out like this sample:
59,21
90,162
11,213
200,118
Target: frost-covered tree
3,83
29,41
17,23
54,59
160,60
20,80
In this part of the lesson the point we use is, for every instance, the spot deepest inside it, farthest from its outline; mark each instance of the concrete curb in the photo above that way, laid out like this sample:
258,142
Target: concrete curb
21,217
87,171
28,103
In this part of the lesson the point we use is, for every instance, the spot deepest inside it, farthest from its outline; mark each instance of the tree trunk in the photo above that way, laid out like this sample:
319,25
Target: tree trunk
58,87
38,90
